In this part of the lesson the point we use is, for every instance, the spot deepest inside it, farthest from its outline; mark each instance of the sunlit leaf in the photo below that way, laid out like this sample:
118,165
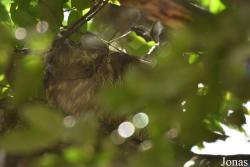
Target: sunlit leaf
74,155
193,57
41,118
52,12
26,141
21,14
84,131
215,6
137,46
28,78
48,160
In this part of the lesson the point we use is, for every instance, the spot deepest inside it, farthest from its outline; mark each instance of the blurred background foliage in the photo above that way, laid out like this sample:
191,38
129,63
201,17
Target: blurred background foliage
198,78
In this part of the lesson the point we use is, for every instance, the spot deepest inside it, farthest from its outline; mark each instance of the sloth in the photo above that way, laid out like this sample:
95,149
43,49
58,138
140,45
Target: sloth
76,72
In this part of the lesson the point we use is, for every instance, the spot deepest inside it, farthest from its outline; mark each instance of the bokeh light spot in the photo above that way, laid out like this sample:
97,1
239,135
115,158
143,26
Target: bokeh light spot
172,133
2,77
140,120
201,85
69,121
202,89
189,163
145,145
230,112
20,33
116,138
247,105
42,26
126,129
183,103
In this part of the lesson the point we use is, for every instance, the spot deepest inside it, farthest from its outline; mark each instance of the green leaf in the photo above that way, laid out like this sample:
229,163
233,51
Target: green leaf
193,57
42,118
45,128
52,12
4,16
73,16
25,141
4,58
48,160
119,105
160,155
6,2
136,45
84,131
4,87
74,155
116,2
215,6
39,42
21,15
28,78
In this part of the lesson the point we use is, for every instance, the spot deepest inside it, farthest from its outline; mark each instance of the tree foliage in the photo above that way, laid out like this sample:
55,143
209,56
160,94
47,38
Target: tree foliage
193,76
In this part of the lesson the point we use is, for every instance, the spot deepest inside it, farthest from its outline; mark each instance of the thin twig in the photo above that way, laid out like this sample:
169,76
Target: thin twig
111,45
121,51
120,37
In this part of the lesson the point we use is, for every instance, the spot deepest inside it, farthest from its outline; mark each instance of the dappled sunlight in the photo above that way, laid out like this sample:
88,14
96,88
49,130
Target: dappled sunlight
146,145
126,129
172,134
20,33
42,26
247,105
140,120
69,121
189,163
236,143
183,103
116,138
